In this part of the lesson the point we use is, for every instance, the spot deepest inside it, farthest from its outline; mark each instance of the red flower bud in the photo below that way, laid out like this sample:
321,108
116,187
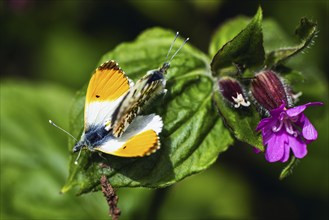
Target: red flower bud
268,90
232,91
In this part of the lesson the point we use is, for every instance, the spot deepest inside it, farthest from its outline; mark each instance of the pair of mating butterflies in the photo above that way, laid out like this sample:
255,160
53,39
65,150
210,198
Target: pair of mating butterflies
111,121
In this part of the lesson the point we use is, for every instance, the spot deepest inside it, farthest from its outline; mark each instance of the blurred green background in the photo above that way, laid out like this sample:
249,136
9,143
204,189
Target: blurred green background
48,51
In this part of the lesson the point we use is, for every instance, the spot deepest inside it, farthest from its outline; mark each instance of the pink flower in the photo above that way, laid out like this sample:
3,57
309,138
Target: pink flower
287,129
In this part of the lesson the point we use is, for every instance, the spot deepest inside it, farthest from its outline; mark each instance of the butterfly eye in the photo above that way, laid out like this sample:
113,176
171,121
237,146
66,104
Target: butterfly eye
97,96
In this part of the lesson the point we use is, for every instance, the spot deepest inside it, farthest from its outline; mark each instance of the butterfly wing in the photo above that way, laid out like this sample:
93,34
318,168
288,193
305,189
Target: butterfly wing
140,139
107,87
143,91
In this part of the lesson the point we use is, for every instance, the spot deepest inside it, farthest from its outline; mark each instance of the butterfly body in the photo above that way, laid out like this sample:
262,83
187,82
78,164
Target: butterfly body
96,135
145,89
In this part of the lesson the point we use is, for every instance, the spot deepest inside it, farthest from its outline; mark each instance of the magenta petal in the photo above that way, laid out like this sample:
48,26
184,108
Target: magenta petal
299,109
296,110
275,148
256,150
276,112
309,131
264,122
313,104
267,135
267,132
286,152
298,146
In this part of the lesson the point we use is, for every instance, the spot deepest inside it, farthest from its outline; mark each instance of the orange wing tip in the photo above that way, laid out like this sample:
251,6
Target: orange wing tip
153,149
108,83
110,64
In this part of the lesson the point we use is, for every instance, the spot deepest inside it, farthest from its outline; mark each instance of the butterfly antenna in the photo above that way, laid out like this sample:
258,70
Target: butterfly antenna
172,44
76,160
52,123
178,49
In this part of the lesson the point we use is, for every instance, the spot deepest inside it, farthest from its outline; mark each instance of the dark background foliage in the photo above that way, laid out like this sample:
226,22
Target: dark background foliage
49,49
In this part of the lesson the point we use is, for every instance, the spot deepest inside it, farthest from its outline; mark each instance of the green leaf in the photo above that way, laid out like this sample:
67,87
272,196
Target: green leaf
226,32
242,122
274,36
193,134
245,49
306,30
305,33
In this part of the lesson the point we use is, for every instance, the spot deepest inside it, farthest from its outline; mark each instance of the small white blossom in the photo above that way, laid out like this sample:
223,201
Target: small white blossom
239,100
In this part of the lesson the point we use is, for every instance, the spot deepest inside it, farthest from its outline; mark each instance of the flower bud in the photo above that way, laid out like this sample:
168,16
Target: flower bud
232,91
268,90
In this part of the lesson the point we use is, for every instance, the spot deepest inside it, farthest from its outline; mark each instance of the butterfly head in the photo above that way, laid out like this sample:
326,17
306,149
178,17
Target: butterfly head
82,143
164,67
78,146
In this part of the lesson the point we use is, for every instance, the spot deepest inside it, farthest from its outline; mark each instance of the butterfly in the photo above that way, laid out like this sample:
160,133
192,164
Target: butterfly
112,123
108,88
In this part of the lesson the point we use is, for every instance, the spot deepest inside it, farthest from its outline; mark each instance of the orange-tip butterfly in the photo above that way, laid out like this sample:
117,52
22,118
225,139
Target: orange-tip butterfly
111,121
